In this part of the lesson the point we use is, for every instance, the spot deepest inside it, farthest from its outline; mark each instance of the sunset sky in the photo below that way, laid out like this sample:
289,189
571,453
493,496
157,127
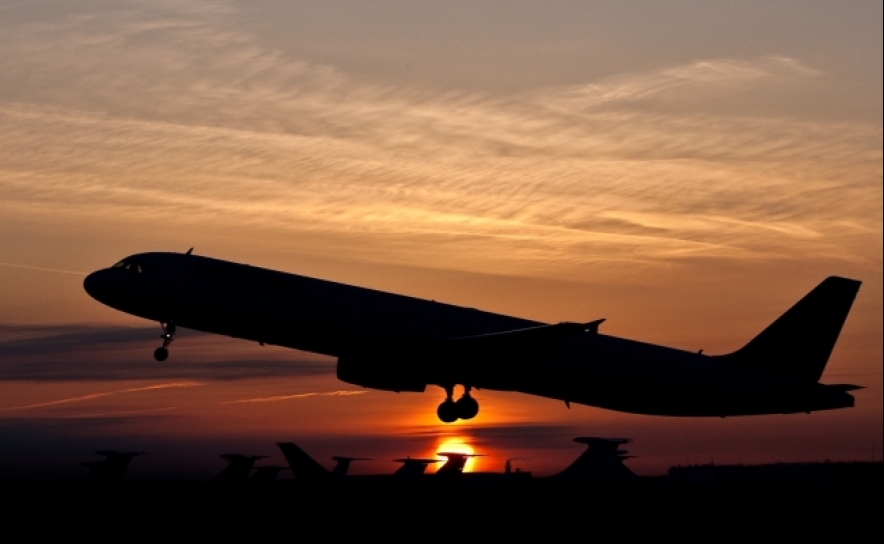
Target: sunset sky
686,170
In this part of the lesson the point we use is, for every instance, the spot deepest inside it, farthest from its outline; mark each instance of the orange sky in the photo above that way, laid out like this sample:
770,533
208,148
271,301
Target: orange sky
687,172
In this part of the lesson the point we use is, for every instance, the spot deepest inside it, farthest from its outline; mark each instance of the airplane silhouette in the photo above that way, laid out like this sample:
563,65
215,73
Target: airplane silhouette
112,468
266,473
238,467
305,468
602,461
397,343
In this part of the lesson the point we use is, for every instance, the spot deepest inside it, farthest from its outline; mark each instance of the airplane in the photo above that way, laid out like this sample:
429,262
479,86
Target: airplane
305,468
455,463
266,473
602,461
238,467
398,343
112,468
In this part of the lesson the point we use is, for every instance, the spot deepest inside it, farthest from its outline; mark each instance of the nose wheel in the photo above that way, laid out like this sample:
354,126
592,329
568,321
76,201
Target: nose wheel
162,352
450,411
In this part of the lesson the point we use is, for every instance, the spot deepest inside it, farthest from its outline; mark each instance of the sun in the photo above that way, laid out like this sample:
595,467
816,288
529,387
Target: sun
456,445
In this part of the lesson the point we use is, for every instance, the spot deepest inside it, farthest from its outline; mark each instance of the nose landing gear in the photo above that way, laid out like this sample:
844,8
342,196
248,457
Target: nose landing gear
450,411
162,353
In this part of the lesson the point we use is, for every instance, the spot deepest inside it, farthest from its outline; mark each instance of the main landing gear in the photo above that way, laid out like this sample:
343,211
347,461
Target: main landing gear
162,353
450,411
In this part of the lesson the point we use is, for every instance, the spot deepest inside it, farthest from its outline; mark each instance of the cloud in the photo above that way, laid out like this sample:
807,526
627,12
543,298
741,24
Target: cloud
120,413
678,82
42,269
84,353
277,398
507,436
169,112
93,396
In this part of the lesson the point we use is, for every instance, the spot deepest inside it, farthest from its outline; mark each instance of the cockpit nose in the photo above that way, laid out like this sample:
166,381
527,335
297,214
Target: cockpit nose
96,284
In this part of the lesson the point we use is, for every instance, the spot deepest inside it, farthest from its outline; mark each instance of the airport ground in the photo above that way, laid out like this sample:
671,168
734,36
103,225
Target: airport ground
648,506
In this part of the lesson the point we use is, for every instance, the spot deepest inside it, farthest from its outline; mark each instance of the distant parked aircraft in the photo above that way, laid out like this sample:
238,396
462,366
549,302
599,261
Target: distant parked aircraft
306,468
266,473
238,467
601,462
398,343
112,468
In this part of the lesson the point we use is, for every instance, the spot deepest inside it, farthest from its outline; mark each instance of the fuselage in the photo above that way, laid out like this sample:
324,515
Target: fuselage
391,341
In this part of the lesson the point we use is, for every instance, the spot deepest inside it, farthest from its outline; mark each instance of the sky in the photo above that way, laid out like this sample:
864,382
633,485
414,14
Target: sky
686,170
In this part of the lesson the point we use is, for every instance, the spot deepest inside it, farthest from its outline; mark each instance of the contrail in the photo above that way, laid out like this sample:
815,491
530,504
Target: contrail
100,395
120,413
297,396
40,268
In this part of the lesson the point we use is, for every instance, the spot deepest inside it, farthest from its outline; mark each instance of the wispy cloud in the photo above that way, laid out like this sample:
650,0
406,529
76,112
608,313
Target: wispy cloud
95,353
683,82
120,413
616,172
277,398
42,269
93,396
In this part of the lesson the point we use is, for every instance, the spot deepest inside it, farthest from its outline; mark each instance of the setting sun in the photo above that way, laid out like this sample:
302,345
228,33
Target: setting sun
685,173
456,445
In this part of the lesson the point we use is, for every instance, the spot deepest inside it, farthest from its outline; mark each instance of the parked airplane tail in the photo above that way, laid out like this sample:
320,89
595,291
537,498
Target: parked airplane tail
602,461
303,466
799,342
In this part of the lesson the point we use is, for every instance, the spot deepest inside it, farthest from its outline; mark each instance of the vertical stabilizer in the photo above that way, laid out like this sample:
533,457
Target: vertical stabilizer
303,466
798,344
601,462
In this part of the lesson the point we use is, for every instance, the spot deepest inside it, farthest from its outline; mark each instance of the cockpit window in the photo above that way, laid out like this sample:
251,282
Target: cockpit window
127,265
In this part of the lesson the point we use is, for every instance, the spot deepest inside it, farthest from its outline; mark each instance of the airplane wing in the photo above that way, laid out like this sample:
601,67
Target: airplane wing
534,334
387,365
514,343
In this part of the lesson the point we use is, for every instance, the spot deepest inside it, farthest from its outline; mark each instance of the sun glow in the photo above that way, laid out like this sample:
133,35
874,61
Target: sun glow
456,445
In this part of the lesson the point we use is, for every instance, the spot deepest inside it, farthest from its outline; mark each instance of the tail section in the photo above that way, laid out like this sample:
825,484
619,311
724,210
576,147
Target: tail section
798,344
343,465
601,462
303,466
238,467
113,468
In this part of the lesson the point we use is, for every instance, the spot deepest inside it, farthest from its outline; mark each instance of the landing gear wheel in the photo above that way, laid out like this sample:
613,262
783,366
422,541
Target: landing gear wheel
162,352
467,407
447,411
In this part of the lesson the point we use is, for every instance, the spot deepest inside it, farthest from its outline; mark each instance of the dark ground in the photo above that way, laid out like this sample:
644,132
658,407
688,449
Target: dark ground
649,507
